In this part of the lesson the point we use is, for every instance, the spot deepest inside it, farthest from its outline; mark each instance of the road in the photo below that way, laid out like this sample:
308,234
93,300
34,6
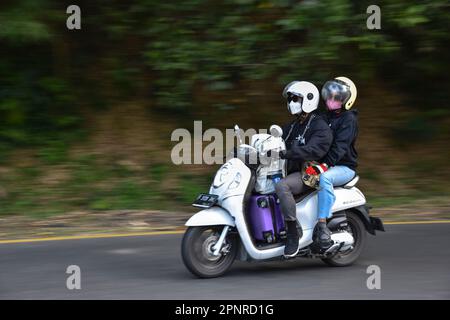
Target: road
414,261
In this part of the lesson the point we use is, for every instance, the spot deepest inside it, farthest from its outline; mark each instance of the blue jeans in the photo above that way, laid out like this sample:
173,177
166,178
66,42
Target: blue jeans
335,176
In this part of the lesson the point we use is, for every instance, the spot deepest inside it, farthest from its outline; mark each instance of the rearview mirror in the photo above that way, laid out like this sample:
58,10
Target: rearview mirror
237,132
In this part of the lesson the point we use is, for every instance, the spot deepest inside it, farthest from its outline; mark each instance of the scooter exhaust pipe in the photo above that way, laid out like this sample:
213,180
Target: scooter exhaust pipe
343,241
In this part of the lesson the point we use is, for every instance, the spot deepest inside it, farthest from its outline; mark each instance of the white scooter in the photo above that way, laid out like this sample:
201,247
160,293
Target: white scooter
222,231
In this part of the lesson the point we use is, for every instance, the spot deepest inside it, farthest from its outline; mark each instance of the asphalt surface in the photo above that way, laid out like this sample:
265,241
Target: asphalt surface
414,261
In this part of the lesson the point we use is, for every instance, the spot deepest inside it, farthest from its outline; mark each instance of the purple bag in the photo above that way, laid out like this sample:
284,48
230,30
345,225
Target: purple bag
266,219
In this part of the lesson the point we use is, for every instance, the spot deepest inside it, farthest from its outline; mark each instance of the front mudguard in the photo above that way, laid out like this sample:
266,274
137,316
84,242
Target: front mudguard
211,217
215,216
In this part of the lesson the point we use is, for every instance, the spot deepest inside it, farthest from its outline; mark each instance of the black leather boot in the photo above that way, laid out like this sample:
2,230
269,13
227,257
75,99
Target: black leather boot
323,236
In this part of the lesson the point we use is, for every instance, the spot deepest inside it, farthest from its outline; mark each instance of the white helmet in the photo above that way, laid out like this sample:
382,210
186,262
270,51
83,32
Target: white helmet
342,91
301,96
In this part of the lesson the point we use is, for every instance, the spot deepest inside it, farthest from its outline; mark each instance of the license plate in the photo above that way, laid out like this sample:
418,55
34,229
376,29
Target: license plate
205,200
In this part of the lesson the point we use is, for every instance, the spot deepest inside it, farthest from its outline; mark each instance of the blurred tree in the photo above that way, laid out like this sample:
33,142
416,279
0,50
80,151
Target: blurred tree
171,54
170,48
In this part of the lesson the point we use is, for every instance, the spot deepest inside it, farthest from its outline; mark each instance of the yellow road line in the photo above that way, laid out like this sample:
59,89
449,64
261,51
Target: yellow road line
418,222
136,234
92,236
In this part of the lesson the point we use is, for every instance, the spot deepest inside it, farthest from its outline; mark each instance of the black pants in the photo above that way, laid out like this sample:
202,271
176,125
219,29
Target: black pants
286,189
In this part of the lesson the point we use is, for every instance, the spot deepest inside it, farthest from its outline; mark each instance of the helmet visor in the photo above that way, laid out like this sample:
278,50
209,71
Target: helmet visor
294,97
335,90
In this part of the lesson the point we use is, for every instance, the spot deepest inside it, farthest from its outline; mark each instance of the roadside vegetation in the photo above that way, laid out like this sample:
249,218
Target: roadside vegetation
86,116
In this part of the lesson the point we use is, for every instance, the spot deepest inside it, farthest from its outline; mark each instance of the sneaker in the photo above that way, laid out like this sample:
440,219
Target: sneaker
291,248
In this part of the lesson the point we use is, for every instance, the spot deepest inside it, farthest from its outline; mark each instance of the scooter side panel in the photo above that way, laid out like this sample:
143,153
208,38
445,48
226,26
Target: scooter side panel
307,212
345,198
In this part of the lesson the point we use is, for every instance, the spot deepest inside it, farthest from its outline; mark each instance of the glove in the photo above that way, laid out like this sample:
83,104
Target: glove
282,154
317,169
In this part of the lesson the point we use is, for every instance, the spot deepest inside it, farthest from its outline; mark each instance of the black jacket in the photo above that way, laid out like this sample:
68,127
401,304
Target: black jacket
345,131
317,140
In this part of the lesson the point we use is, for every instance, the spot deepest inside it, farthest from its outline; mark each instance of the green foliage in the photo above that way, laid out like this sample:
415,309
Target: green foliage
414,130
55,152
20,24
180,46
125,195
191,186
158,171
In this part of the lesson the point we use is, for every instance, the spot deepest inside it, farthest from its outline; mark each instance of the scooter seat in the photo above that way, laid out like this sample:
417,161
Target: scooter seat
303,195
351,183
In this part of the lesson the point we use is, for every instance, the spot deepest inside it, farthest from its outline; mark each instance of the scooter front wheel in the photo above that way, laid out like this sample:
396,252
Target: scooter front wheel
197,251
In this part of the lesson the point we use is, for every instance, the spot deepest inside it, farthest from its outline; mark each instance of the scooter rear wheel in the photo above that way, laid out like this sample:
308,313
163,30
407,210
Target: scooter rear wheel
359,233
197,253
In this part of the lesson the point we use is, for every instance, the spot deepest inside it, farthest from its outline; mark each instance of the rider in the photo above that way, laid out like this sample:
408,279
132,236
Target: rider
339,164
307,138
